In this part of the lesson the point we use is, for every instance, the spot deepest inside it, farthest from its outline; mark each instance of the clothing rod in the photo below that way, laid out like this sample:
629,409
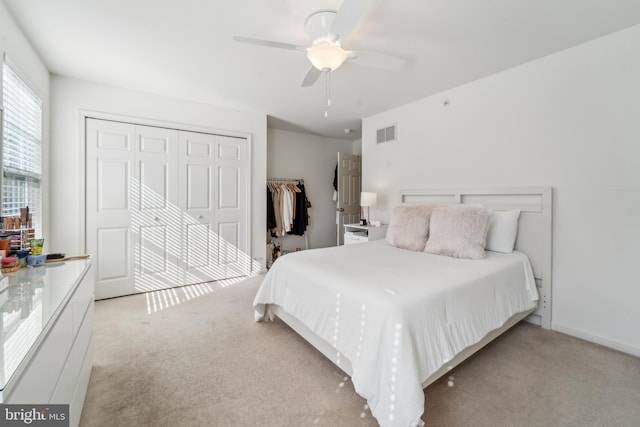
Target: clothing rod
286,179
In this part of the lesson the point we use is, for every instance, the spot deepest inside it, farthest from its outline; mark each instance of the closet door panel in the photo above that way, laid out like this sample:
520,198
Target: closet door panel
199,187
196,201
112,245
154,183
153,256
228,187
110,156
231,206
228,245
113,185
198,243
155,211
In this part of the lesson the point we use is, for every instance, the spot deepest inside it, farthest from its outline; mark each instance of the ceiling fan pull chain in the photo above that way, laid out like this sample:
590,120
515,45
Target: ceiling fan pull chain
328,88
327,91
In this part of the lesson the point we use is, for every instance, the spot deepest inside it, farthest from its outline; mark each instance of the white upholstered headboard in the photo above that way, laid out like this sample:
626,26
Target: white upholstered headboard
534,227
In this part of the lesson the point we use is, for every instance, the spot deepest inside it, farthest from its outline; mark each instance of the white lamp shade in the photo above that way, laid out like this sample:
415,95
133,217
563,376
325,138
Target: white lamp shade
325,55
368,198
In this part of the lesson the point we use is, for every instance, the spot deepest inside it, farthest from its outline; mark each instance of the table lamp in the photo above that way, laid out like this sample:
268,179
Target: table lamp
368,199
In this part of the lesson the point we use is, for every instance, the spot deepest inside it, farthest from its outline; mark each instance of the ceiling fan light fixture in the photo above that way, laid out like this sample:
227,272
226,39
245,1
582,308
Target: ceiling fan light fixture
326,56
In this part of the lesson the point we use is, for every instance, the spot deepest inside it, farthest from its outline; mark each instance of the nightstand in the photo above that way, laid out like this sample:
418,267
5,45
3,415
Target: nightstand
356,233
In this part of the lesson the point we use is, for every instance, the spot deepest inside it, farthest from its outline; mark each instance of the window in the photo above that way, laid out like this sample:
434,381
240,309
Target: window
21,148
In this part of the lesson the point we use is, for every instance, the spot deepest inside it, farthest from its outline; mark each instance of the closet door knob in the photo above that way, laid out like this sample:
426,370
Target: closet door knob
200,217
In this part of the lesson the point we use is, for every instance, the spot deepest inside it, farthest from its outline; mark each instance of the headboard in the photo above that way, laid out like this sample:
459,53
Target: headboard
534,227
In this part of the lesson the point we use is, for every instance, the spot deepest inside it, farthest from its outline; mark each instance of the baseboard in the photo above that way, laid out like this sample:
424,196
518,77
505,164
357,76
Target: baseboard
625,348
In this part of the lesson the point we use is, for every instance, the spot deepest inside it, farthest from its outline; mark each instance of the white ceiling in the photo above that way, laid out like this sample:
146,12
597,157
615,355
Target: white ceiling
184,48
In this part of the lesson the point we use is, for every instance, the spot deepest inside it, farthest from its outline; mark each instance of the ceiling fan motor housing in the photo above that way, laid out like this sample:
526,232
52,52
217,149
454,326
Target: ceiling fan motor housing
318,27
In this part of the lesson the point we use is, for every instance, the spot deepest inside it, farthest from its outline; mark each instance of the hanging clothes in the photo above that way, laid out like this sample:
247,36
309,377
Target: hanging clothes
271,215
287,208
335,184
273,208
277,204
301,219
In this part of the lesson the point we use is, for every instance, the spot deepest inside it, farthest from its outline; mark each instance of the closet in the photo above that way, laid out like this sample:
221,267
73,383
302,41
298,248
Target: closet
287,207
164,207
288,214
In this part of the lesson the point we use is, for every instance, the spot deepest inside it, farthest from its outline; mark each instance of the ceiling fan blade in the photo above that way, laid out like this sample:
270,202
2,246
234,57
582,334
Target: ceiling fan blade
311,77
350,13
376,60
269,43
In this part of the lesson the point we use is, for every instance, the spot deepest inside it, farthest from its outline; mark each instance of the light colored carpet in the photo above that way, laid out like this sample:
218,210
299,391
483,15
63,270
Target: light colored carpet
194,356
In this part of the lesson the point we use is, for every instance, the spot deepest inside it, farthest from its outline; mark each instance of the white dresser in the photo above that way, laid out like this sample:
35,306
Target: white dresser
46,328
356,233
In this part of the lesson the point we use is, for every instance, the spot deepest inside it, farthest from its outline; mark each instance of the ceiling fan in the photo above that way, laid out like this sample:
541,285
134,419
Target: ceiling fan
327,30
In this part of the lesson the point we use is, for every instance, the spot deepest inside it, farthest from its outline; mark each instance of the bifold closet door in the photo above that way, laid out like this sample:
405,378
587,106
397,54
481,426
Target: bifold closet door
164,207
212,184
109,167
155,214
133,219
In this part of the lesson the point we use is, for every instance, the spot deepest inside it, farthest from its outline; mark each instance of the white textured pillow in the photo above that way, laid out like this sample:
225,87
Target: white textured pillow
503,230
458,231
409,226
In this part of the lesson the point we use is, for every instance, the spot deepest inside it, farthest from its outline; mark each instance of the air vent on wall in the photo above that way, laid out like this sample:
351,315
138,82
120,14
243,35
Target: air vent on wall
387,134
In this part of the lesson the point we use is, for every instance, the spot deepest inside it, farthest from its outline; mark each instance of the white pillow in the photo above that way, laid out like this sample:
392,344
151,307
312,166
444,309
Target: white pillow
503,230
458,231
409,226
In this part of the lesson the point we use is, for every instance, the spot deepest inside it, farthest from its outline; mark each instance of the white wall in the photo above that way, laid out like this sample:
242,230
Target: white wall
313,158
356,147
570,121
69,96
23,56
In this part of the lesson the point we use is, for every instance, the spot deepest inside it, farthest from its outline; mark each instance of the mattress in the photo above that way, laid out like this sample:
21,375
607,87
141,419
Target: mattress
396,315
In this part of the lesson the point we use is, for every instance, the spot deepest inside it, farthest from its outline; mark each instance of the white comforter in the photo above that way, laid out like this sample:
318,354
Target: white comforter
397,315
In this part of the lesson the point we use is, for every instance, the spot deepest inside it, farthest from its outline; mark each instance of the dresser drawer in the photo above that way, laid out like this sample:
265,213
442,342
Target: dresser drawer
350,238
356,233
41,375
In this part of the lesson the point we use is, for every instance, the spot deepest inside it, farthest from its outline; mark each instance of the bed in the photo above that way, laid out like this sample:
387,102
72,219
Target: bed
396,320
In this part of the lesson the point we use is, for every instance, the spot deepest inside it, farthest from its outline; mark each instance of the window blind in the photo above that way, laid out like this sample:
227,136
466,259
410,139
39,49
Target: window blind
21,147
